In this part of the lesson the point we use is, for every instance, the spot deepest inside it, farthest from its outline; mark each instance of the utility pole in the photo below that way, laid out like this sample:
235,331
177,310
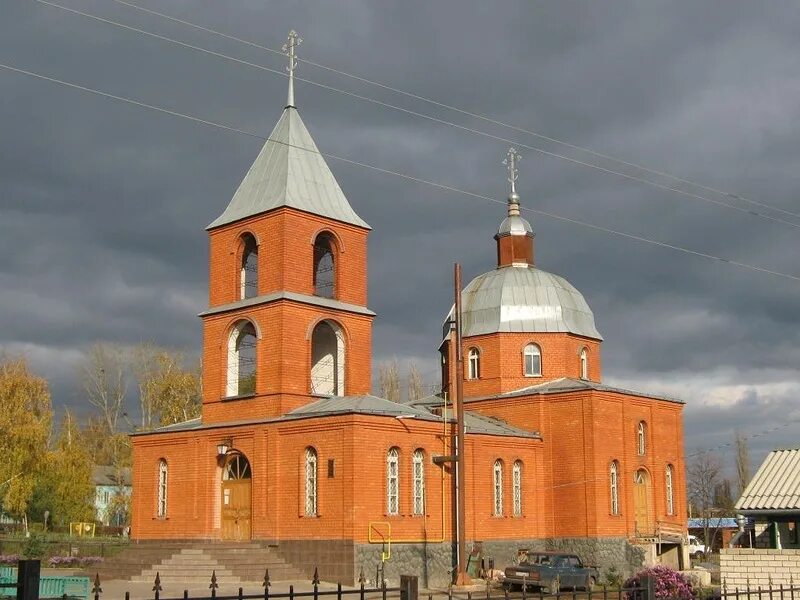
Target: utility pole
462,578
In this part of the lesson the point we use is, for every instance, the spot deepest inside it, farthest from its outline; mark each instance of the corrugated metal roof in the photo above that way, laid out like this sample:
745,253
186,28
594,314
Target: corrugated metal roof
284,295
289,171
776,485
524,299
367,405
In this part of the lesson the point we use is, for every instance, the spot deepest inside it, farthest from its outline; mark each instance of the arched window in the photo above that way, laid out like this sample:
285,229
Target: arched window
161,505
533,360
641,438
392,481
670,496
418,473
237,467
613,476
517,481
498,488
584,363
327,359
248,279
241,360
324,266
311,482
473,364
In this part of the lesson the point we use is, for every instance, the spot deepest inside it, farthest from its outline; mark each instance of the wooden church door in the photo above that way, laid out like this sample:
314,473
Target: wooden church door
641,503
236,499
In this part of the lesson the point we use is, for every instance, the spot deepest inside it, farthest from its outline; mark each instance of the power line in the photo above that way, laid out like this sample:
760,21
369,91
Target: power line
405,176
430,118
465,112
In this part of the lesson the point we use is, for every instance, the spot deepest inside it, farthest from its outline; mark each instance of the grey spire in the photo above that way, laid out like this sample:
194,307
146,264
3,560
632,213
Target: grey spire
513,224
289,171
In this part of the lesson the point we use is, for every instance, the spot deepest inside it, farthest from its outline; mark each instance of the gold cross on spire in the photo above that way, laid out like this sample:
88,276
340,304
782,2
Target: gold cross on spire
292,41
511,160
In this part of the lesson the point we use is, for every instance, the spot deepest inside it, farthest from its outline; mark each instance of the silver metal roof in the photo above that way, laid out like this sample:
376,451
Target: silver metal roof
289,171
515,226
524,299
776,485
284,295
368,405
568,384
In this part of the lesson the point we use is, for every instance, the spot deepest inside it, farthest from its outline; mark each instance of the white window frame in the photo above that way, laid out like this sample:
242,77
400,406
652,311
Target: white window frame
498,487
473,363
669,488
393,481
584,363
641,438
517,488
161,501
311,482
532,351
613,476
418,476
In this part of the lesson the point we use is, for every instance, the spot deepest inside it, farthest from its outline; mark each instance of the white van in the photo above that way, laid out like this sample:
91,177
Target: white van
697,549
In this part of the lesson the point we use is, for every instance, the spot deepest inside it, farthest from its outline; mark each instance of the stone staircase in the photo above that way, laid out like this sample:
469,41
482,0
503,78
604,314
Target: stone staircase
194,562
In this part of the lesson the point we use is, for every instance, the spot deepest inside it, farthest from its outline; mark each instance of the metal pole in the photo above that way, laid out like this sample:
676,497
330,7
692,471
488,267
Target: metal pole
461,574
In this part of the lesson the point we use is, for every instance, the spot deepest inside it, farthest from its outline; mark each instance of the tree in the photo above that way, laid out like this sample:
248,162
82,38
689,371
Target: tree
103,375
389,380
742,461
25,421
168,392
703,478
416,388
104,447
69,472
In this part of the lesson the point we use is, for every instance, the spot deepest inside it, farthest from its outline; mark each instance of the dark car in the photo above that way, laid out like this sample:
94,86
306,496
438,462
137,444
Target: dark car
550,571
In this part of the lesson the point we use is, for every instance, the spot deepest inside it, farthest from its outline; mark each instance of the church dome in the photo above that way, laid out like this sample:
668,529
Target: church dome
514,226
520,299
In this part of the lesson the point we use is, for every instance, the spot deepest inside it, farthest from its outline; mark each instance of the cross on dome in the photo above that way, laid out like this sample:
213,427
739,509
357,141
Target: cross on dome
293,40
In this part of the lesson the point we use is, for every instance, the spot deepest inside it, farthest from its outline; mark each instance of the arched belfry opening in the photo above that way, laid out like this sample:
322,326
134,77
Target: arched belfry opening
327,359
241,377
325,265
248,278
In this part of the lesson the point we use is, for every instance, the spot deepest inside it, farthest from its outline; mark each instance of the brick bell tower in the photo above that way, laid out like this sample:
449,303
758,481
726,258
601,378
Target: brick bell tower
288,320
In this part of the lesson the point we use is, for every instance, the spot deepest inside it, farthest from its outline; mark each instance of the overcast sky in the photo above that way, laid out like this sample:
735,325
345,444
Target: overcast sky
103,205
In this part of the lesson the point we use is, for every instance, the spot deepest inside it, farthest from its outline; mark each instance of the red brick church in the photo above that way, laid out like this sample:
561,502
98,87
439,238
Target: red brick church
293,451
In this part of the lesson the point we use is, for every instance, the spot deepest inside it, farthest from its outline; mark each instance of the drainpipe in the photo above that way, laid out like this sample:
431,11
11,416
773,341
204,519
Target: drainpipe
740,521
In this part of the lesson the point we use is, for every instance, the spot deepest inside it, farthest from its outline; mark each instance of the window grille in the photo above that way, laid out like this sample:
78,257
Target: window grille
641,438
392,481
498,488
324,267
249,272
533,361
419,482
614,481
161,509
670,497
517,476
242,360
311,482
474,364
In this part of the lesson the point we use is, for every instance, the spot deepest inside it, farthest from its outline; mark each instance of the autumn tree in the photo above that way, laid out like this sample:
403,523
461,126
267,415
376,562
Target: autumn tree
25,421
389,380
169,393
69,474
742,461
103,376
416,387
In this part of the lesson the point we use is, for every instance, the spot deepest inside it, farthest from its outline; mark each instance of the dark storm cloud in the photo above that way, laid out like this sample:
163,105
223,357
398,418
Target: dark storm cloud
103,205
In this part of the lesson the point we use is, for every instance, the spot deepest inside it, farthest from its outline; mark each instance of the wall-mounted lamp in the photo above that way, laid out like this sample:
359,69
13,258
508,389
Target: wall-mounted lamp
224,446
